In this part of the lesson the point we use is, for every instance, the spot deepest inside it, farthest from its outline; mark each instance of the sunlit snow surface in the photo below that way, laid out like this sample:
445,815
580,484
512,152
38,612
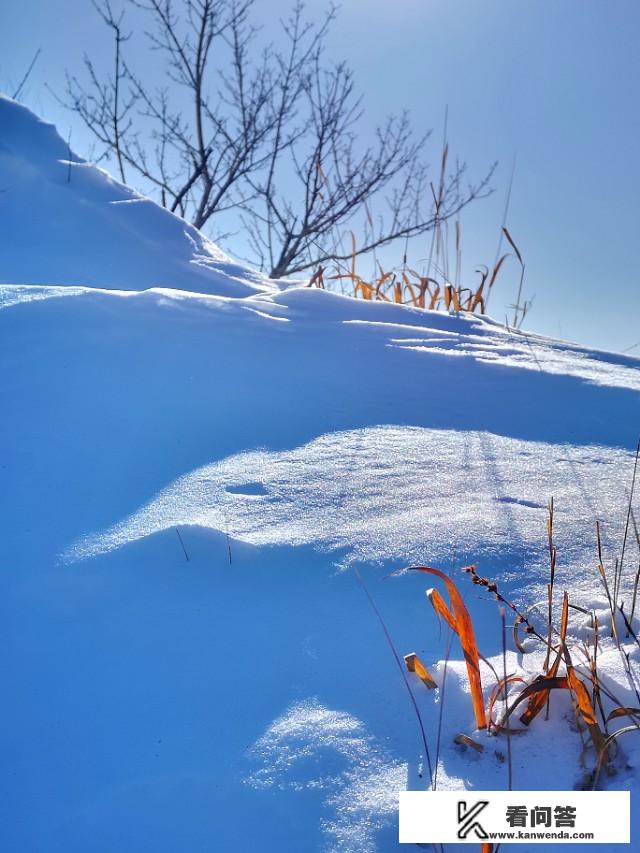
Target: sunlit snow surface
386,492
189,479
312,747
511,348
204,470
65,221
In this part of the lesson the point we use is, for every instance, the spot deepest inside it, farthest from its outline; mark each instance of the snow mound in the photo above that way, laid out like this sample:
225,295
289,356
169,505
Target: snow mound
312,748
184,666
206,461
439,479
65,221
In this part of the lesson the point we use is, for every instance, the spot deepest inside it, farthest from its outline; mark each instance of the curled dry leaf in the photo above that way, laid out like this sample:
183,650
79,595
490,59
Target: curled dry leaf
495,693
539,699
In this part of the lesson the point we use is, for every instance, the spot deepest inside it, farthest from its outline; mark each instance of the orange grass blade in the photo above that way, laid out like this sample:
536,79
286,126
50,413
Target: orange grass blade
465,740
463,626
366,289
496,270
541,685
512,244
414,664
586,709
435,298
564,619
414,297
439,605
497,690
623,712
539,700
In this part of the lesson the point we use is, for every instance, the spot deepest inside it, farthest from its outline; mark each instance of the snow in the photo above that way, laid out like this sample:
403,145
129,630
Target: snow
193,463
311,747
263,497
64,221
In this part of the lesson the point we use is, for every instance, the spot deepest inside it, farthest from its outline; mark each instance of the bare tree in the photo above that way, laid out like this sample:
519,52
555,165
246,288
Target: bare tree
194,156
332,181
104,110
269,135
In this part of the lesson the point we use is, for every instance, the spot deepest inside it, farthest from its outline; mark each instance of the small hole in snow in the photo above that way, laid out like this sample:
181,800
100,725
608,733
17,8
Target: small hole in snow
247,489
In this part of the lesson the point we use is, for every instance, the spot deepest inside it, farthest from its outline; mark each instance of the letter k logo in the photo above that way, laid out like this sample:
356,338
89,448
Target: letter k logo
467,819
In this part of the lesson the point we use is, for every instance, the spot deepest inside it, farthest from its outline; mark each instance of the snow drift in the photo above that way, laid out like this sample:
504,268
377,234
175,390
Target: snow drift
188,478
65,221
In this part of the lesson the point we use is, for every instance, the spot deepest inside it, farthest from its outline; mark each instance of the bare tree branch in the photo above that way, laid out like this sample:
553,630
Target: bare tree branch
271,136
27,74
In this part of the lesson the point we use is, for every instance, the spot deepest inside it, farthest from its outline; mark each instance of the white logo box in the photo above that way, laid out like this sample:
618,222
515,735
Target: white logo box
540,817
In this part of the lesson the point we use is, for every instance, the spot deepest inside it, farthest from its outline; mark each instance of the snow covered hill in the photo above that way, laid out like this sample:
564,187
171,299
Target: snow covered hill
64,221
189,480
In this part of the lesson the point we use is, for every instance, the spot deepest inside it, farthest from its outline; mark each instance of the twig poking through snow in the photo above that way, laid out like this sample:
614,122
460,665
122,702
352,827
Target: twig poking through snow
401,668
182,543
506,694
447,654
626,526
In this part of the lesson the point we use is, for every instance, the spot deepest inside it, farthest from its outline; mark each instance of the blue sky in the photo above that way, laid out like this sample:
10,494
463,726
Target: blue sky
552,83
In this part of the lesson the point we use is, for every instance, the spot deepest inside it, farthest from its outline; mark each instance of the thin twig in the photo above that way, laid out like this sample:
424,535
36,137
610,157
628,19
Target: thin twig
441,708
628,519
402,671
182,543
18,91
506,693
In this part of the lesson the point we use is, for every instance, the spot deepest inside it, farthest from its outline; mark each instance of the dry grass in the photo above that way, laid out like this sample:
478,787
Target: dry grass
459,620
438,287
569,665
405,286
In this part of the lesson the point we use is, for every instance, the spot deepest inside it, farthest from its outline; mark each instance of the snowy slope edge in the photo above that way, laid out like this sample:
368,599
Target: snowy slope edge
65,221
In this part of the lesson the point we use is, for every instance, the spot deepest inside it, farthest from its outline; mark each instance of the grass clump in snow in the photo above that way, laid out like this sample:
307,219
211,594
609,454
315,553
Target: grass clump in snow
438,287
432,289
554,656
